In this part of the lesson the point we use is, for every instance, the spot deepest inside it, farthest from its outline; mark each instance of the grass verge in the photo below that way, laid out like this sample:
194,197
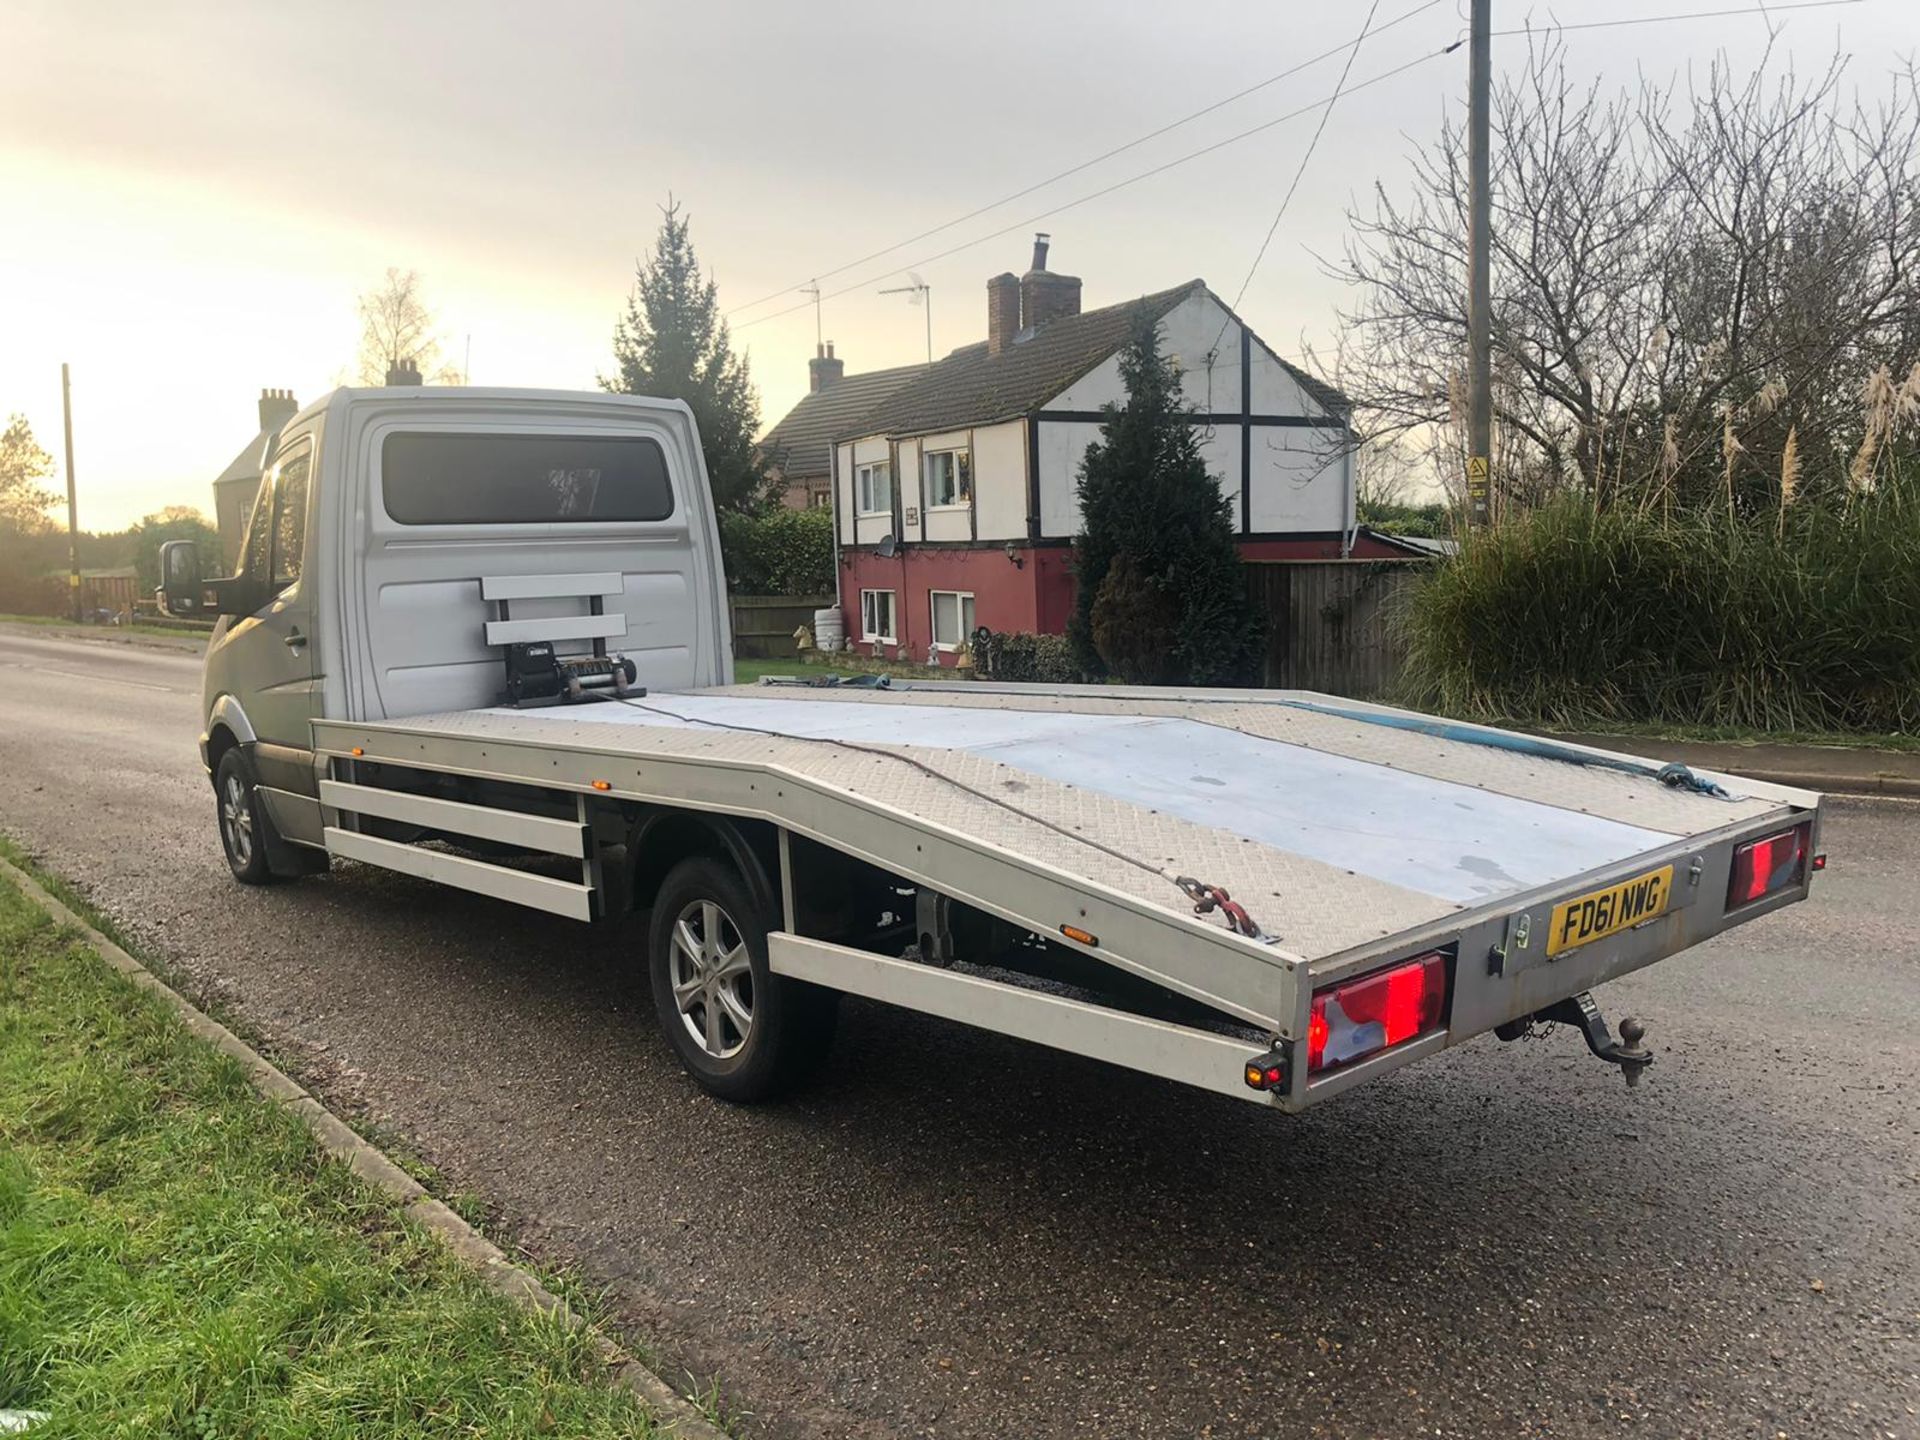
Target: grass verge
186,631
1736,735
178,1258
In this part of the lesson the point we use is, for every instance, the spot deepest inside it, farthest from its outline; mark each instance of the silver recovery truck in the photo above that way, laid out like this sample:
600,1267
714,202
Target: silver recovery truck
480,637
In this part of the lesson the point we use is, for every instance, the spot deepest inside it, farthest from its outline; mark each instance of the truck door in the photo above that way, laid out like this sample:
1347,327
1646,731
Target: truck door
270,656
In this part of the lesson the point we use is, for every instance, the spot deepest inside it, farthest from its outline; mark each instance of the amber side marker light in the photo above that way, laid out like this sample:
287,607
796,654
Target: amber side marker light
357,752
1267,1072
603,785
1074,932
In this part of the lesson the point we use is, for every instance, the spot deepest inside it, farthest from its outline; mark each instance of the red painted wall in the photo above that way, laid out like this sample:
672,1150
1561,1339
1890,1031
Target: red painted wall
1036,595
1004,595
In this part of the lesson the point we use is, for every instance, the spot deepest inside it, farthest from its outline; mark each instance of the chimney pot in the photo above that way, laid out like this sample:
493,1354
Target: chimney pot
823,370
1045,295
275,408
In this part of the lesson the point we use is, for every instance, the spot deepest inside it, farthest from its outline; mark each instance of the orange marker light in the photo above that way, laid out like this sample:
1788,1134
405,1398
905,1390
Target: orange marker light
1266,1072
1074,932
358,752
603,785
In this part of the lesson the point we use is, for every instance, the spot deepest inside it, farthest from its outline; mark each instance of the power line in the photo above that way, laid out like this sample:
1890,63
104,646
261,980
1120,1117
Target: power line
1105,190
1133,144
1301,169
1233,139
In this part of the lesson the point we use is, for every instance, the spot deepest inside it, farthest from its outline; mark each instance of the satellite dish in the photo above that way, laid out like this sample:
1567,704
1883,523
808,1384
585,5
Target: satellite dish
888,548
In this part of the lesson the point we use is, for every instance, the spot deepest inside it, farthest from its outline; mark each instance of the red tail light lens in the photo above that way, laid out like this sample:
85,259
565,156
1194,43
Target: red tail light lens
1766,867
1376,1012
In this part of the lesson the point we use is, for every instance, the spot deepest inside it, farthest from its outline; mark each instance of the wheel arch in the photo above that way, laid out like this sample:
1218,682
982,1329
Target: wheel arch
661,838
227,726
220,739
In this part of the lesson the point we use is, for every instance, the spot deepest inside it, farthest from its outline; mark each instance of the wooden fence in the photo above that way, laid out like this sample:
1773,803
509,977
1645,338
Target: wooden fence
1328,622
763,625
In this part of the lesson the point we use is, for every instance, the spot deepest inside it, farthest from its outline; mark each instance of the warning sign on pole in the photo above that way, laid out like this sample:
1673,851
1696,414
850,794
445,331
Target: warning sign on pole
1479,506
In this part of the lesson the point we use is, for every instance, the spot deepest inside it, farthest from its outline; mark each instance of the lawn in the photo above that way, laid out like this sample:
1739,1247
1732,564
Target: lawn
177,1258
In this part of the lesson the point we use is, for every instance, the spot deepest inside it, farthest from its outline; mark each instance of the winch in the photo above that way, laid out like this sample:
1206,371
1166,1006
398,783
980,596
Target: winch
537,675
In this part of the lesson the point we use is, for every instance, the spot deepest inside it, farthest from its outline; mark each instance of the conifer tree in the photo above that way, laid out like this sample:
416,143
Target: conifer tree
673,342
1162,600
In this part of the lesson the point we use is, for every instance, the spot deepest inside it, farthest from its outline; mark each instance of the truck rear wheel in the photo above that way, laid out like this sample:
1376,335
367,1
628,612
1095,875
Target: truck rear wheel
742,1032
243,820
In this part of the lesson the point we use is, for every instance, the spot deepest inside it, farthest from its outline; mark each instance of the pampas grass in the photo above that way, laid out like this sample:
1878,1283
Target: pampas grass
1807,618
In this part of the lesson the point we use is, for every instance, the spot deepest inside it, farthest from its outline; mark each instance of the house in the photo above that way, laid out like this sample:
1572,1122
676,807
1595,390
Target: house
799,448
233,492
954,496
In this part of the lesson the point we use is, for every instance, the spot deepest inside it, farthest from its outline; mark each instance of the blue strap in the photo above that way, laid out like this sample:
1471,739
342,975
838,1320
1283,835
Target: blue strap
1675,776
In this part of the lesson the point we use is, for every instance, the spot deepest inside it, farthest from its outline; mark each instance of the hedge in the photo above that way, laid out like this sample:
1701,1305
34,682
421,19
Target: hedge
1046,659
1579,616
778,552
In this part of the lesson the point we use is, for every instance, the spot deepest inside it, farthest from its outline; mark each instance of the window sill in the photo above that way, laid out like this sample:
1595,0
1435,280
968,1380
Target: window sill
962,506
873,514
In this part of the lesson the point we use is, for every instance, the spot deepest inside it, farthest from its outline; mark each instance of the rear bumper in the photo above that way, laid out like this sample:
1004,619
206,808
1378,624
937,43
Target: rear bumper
1501,971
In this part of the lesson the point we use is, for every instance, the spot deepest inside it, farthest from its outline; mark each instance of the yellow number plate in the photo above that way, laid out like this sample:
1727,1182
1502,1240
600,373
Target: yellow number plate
1587,918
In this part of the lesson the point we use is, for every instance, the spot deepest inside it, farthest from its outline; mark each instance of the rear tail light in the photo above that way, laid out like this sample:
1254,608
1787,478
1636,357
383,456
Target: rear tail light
1766,867
1358,1018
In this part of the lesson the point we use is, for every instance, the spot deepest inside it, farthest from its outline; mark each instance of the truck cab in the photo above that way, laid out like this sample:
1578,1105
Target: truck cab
358,593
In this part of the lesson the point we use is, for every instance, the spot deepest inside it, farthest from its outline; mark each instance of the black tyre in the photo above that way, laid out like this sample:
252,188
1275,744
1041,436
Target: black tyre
742,1032
243,820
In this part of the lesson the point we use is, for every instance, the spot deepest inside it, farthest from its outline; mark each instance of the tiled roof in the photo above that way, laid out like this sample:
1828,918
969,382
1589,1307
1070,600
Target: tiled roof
798,444
246,465
973,387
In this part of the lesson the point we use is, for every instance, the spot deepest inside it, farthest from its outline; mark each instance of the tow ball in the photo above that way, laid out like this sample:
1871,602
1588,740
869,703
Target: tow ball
1580,1012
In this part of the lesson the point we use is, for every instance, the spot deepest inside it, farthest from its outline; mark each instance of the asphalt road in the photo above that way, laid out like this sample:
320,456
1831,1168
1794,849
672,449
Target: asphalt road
956,1235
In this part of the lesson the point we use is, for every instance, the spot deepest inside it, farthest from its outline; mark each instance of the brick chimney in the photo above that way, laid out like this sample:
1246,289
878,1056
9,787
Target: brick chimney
823,370
276,408
1044,295
1003,311
404,372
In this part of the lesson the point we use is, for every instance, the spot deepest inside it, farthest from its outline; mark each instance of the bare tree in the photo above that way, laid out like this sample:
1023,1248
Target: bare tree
1680,281
397,326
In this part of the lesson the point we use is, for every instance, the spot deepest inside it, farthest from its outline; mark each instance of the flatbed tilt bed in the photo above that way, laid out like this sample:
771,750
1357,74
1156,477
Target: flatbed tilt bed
1090,819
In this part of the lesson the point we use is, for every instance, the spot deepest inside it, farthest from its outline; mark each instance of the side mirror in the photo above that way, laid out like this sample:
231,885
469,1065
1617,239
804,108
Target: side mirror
183,589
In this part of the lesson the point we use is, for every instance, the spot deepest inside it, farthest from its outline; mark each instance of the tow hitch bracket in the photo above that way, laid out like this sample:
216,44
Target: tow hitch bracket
1582,1014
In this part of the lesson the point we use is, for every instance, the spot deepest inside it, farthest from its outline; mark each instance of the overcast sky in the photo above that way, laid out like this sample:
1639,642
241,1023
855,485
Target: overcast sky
192,194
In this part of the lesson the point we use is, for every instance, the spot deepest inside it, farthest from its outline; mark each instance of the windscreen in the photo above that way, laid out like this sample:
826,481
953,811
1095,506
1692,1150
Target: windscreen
441,479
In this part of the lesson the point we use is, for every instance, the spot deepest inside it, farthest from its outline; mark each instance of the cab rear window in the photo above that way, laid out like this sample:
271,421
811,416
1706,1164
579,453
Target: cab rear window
440,479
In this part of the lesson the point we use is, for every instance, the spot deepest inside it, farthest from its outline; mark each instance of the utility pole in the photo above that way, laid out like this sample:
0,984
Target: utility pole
1479,271
73,509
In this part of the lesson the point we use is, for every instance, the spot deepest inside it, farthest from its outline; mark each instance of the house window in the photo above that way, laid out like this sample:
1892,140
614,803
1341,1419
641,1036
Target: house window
874,488
949,478
876,615
952,618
